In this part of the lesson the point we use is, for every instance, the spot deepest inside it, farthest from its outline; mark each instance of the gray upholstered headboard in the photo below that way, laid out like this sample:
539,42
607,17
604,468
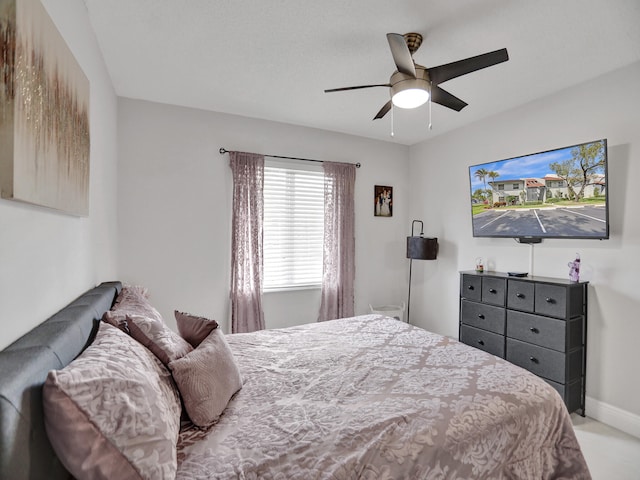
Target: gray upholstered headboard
25,451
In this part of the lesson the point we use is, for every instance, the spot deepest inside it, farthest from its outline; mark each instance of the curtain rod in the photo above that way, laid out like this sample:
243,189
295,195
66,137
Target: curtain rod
224,150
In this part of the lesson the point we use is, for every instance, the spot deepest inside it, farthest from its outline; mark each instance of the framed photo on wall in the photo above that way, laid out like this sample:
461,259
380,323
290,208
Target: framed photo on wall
383,201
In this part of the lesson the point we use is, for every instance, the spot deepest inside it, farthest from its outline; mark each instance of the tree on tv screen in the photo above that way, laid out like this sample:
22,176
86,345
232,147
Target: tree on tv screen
579,170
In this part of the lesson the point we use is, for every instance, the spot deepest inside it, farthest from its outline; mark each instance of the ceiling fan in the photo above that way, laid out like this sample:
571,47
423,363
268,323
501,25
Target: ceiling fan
412,84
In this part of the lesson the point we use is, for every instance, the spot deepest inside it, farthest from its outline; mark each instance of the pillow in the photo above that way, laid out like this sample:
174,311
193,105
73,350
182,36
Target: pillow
114,411
157,337
129,290
132,300
207,378
193,328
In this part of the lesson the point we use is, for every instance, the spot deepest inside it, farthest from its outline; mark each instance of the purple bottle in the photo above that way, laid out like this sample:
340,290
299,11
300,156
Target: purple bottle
574,269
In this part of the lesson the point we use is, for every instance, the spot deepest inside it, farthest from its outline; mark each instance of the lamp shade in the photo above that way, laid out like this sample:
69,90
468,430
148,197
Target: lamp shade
421,248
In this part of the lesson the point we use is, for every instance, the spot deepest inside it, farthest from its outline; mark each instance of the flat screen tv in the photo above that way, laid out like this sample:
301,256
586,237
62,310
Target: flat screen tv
559,193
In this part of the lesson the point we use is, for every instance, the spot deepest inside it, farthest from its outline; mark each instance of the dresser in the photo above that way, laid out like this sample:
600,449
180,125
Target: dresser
537,323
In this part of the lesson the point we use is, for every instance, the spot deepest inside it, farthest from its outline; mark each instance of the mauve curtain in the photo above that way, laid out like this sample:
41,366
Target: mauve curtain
246,242
338,277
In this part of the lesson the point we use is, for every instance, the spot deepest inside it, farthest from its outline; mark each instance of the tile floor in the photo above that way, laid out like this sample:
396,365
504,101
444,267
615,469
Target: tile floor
610,453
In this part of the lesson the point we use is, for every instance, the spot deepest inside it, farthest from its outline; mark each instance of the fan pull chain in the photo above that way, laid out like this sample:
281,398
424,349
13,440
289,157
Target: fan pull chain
430,89
392,134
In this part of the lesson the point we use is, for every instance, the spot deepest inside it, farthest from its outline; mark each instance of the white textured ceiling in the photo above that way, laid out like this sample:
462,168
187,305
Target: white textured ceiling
272,59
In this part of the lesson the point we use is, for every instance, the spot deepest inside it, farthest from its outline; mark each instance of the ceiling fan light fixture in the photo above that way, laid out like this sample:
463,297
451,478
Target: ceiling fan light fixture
410,98
407,92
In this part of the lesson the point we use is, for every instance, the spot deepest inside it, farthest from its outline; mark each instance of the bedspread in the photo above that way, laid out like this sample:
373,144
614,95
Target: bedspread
374,398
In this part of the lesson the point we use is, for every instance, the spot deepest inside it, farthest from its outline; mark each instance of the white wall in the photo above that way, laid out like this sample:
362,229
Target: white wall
608,107
47,258
174,212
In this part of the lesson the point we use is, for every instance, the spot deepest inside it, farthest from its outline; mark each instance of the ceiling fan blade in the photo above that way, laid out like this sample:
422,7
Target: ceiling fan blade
356,88
444,98
442,73
383,111
401,54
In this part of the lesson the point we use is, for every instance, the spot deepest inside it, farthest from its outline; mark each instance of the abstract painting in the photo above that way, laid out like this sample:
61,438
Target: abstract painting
44,113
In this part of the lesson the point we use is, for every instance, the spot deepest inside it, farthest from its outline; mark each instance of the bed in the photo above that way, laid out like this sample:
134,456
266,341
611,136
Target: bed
367,397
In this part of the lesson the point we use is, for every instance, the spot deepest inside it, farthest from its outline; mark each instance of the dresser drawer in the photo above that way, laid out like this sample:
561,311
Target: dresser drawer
483,316
551,300
471,287
543,331
520,295
494,290
542,361
487,341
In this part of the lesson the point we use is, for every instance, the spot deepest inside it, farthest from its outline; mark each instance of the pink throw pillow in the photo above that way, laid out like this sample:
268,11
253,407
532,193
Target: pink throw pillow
193,328
207,378
157,337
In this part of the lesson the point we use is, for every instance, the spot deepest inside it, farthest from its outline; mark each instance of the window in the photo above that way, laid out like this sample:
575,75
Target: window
516,186
293,225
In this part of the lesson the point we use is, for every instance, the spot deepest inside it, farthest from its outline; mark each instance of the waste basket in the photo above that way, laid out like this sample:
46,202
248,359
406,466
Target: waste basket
394,311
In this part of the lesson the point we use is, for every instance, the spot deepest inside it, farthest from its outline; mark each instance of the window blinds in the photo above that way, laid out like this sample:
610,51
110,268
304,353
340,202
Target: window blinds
293,226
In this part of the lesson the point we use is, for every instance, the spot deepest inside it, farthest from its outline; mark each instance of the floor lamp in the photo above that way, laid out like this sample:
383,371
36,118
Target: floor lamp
419,248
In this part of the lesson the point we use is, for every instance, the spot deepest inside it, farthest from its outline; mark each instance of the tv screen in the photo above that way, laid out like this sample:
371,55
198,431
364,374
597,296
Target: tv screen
559,193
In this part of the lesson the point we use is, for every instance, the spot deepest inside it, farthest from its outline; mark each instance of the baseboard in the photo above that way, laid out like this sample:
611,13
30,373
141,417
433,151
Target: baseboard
613,416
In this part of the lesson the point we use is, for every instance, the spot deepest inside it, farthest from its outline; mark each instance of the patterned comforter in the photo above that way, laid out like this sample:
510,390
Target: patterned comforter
370,397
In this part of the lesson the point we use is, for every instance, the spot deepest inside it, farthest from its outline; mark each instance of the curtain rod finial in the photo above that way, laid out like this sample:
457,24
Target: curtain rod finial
223,150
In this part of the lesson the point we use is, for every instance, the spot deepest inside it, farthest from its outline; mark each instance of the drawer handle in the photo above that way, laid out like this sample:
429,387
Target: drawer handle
481,316
480,342
492,290
534,360
470,287
549,300
534,330
520,295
